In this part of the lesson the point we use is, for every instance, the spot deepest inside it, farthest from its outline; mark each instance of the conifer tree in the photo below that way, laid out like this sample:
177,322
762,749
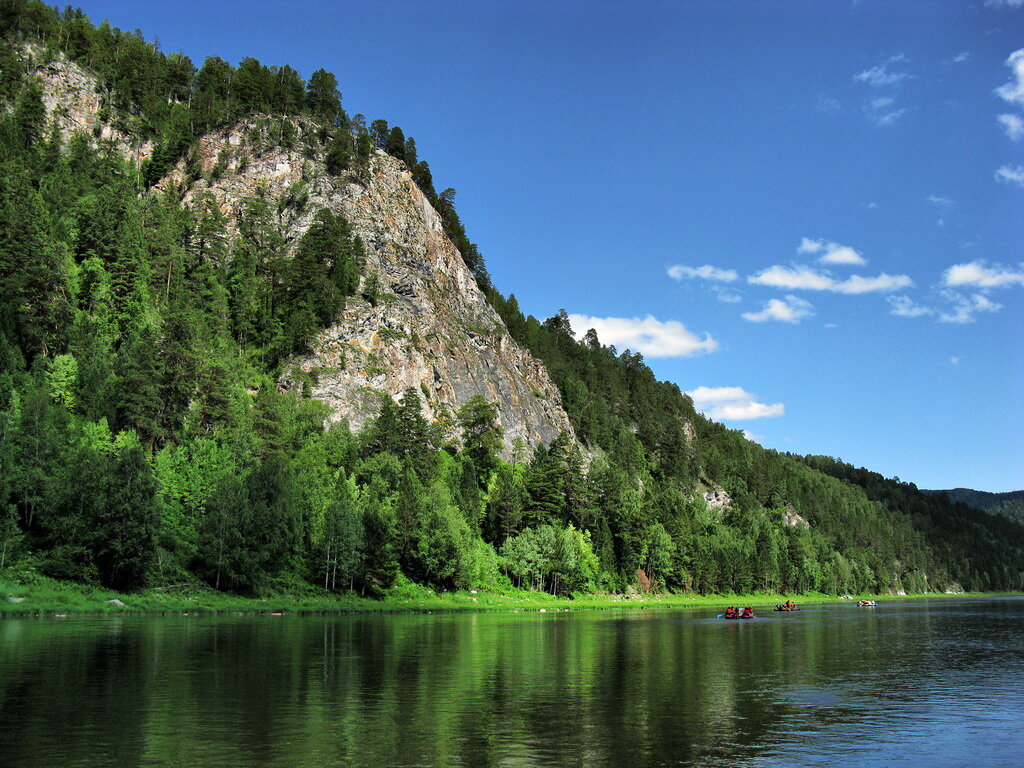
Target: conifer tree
324,99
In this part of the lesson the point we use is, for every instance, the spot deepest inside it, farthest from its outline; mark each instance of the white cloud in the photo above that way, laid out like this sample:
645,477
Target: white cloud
904,306
882,283
842,254
789,310
1013,125
706,272
880,76
883,112
961,57
978,275
965,307
944,205
1003,3
1013,91
648,336
1011,175
726,296
752,437
834,253
954,360
805,278
732,404
810,246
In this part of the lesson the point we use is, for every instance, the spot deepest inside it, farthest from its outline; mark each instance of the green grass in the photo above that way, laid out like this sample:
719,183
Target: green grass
49,597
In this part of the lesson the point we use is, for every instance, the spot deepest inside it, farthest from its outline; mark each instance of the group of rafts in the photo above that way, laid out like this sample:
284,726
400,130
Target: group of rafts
787,607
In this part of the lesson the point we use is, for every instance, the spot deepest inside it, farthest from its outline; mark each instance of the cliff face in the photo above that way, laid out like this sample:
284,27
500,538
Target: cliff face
75,102
430,327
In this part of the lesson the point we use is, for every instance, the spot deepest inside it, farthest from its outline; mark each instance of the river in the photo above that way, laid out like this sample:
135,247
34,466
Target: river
936,683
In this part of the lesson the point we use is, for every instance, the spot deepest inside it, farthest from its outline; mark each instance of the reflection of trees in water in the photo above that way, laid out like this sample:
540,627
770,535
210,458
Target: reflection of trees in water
480,690
80,693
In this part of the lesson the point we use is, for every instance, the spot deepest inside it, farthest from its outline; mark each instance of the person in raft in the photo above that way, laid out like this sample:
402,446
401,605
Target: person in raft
730,612
748,613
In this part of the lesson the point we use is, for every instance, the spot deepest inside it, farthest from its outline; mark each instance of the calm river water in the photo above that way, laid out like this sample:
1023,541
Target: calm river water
923,683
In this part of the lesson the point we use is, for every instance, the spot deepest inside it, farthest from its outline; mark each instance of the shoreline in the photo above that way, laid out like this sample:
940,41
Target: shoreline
56,599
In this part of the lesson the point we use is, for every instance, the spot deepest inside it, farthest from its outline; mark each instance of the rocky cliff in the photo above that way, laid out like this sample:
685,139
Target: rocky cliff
76,103
429,326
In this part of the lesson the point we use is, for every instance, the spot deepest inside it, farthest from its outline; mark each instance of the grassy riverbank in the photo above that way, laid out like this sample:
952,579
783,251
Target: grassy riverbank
49,597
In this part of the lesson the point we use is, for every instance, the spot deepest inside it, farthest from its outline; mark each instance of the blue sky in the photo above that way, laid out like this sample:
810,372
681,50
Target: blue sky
810,215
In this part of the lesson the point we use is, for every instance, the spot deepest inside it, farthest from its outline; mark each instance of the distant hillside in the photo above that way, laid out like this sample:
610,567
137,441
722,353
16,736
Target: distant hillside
1010,504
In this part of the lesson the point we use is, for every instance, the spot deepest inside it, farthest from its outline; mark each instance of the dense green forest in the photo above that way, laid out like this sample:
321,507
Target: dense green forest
144,440
1009,505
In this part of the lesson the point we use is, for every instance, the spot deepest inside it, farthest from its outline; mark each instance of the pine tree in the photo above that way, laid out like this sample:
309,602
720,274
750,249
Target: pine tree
481,434
323,98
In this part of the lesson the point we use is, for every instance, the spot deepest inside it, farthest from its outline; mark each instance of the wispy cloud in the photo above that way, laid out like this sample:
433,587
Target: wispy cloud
1013,93
706,272
732,404
725,295
802,278
977,274
881,75
791,309
883,111
1013,125
1014,175
966,307
807,245
806,278
961,57
829,105
904,306
963,292
881,283
831,253
1004,3
648,336
943,205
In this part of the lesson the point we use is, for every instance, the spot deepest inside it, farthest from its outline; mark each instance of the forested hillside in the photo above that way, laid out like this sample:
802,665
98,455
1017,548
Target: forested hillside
1009,505
146,440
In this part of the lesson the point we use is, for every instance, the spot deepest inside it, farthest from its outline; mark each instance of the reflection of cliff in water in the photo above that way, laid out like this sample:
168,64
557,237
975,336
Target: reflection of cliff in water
591,688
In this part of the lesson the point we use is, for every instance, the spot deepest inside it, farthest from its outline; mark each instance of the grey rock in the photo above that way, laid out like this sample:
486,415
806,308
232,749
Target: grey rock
431,329
74,101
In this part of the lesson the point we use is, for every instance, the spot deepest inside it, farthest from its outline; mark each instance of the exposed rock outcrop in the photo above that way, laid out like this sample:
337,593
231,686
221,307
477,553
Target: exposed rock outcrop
717,498
75,102
792,518
430,328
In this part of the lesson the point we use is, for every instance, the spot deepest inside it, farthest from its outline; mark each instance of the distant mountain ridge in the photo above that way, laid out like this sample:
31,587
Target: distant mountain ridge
1009,504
